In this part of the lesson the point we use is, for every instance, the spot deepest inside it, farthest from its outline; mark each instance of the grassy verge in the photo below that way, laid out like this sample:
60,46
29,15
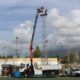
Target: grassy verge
58,78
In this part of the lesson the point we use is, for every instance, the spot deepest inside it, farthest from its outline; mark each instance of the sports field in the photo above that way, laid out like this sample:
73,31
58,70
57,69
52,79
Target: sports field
59,78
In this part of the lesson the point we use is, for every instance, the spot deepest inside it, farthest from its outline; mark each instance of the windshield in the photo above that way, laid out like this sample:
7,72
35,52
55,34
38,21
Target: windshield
77,69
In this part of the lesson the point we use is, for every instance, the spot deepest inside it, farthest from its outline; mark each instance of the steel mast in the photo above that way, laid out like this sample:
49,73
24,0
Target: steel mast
43,15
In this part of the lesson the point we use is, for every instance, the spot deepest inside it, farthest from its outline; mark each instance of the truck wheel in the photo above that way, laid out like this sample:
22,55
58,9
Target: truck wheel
52,74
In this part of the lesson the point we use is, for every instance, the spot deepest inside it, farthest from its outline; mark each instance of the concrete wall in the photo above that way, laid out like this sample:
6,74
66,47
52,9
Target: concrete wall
18,61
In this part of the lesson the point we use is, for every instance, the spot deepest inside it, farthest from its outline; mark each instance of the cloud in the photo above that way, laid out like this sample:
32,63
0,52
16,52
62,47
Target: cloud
4,47
64,28
23,32
67,27
11,3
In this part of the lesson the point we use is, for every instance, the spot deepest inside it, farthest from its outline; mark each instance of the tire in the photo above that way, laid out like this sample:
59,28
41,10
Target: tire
53,74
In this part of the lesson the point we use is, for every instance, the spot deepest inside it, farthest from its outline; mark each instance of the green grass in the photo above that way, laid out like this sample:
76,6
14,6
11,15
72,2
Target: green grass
59,78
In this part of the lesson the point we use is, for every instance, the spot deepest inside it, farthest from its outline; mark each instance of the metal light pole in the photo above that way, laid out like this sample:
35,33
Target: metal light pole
4,51
43,14
68,55
17,46
61,46
44,39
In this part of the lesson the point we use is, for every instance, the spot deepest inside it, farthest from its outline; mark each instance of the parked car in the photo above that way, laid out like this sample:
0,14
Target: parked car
73,72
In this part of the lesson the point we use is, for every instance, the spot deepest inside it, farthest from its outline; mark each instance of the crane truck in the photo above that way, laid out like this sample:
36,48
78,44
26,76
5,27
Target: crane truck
45,69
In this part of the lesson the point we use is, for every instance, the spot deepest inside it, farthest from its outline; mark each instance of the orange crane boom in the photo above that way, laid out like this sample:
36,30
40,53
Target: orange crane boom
31,43
42,12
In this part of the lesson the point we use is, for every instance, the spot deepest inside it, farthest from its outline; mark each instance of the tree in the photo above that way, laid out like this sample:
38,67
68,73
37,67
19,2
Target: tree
9,56
0,56
79,57
72,57
65,59
36,52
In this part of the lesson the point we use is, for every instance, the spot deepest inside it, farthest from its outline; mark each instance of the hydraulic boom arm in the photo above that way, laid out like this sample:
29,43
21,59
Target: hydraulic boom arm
42,12
31,43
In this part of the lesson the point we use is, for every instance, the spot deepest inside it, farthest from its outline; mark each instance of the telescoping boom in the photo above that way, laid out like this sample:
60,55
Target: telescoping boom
41,11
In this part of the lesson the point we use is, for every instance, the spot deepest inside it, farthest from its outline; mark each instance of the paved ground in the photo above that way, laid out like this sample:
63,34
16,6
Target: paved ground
59,78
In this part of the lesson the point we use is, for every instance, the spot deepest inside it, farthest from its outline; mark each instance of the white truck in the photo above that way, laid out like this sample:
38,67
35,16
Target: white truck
47,70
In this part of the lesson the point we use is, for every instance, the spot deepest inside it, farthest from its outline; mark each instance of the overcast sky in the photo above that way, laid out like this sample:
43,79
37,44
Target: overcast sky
17,19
